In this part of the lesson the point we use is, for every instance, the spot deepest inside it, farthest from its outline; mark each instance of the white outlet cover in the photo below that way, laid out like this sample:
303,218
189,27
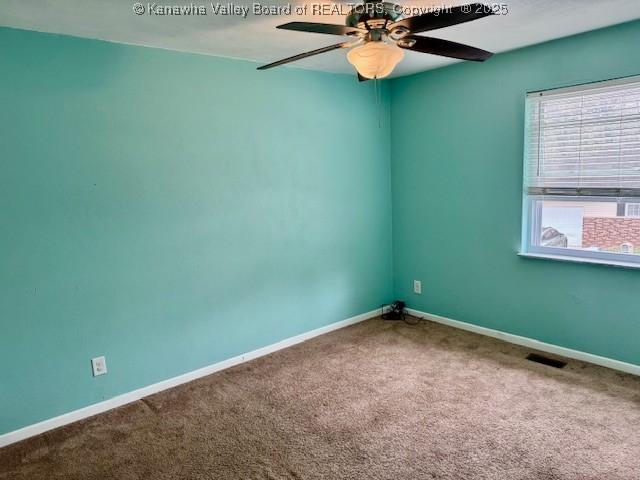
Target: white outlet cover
99,366
417,287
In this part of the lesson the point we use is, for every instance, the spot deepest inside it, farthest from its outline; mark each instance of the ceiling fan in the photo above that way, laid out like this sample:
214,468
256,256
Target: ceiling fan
381,35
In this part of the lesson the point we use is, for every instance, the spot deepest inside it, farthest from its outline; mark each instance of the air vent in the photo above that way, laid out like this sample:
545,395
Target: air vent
534,357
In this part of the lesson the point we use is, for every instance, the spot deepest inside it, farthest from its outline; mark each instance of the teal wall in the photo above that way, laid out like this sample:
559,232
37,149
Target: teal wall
170,211
457,136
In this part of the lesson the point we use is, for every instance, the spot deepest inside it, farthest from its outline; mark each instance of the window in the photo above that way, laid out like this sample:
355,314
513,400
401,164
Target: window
632,210
582,172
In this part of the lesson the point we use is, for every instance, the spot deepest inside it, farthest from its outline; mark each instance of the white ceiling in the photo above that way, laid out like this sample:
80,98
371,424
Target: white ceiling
255,37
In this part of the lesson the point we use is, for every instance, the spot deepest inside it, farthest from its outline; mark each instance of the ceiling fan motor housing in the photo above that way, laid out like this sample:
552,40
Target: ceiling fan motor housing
374,15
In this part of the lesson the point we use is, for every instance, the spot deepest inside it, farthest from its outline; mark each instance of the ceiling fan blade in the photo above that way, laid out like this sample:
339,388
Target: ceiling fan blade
444,18
446,48
327,28
305,55
362,79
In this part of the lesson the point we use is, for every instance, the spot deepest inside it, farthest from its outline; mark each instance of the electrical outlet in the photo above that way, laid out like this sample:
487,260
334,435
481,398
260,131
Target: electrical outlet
99,366
417,287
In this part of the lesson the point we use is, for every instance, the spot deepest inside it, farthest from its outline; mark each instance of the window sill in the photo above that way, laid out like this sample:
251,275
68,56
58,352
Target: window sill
596,261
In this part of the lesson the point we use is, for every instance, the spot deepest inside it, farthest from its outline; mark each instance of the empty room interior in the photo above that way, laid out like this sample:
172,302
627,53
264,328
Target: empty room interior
332,240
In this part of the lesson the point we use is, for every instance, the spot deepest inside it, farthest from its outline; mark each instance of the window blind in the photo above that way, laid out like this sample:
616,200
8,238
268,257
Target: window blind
584,140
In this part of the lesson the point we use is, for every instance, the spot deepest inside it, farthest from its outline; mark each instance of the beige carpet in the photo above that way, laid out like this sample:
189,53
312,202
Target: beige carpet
378,400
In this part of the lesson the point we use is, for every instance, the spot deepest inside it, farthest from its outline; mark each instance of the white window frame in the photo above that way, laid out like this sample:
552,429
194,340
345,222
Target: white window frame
634,205
532,230
531,216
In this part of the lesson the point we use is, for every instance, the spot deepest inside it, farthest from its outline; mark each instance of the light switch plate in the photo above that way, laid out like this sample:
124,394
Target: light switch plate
99,366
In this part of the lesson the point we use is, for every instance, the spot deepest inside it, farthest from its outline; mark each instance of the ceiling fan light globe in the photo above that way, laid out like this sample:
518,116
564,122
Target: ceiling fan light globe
375,59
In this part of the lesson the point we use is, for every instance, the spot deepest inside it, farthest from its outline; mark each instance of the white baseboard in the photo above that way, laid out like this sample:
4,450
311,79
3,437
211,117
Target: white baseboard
91,410
67,418
531,343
